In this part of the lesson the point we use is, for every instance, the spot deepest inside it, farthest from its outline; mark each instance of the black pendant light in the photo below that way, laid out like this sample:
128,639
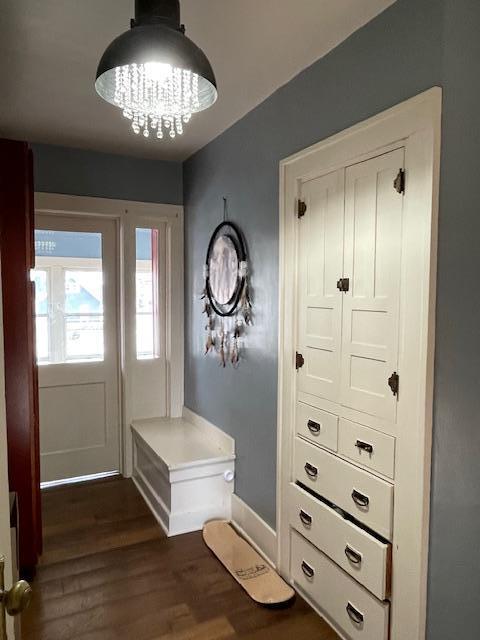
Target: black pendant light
154,73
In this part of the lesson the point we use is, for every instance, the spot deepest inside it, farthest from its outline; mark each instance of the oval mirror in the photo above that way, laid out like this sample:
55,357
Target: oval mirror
223,269
225,277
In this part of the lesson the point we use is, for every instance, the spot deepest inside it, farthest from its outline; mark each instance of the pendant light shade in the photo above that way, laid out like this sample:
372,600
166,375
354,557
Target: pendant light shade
154,73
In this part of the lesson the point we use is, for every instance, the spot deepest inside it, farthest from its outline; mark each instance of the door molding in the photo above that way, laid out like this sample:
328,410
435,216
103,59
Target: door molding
415,125
5,533
129,215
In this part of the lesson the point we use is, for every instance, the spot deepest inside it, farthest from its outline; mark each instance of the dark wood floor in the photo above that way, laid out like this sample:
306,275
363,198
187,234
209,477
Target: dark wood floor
109,573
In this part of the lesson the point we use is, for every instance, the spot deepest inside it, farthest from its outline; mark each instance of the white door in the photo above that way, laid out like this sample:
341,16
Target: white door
77,345
373,240
5,536
320,303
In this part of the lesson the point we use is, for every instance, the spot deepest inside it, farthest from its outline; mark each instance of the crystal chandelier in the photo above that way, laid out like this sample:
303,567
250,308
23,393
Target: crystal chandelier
155,74
157,97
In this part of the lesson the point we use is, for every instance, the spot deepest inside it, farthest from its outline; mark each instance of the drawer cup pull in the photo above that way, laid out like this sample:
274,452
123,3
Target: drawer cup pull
354,614
360,499
314,427
305,518
353,555
311,471
364,446
308,570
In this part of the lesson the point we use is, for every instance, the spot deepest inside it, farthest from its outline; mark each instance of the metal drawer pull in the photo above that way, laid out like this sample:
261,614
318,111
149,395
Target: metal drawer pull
353,555
360,499
364,446
308,570
354,614
312,472
314,427
305,518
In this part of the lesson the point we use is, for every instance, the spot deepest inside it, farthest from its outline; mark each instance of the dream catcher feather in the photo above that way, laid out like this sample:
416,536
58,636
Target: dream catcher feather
226,295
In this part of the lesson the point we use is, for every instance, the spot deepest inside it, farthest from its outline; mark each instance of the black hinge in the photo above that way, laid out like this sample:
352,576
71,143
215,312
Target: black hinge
301,208
343,285
299,361
394,383
399,183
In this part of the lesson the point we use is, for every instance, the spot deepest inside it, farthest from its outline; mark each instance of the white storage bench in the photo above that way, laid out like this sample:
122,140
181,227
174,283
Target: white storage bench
184,471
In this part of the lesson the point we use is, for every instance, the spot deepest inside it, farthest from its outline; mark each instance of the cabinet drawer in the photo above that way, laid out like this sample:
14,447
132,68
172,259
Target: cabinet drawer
367,447
365,497
350,607
361,555
317,426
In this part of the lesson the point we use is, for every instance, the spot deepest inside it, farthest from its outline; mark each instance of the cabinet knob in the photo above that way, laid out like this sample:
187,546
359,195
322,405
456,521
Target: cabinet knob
364,446
354,614
314,427
308,570
305,518
352,555
360,499
311,471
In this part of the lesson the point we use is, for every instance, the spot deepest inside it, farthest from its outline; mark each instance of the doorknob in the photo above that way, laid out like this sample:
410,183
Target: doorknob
13,601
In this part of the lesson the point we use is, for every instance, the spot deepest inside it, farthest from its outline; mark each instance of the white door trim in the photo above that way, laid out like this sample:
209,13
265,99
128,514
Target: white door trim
128,215
416,125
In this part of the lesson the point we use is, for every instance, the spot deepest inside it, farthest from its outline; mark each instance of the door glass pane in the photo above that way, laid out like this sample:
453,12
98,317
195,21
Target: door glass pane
40,278
84,337
146,293
145,336
83,292
43,339
69,296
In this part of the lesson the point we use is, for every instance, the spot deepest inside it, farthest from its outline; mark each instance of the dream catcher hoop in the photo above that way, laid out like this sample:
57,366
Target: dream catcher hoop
227,298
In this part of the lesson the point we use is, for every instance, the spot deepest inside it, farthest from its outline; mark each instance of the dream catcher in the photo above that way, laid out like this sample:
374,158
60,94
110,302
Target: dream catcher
228,307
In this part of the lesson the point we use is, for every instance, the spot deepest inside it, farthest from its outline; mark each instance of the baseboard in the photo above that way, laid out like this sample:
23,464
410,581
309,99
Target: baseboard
215,434
255,530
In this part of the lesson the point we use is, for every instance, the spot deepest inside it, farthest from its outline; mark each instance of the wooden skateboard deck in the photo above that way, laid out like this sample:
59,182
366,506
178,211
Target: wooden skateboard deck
248,568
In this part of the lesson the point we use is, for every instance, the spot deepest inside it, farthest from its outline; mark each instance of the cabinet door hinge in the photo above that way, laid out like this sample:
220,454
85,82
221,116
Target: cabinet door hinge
299,361
301,208
399,183
343,285
394,383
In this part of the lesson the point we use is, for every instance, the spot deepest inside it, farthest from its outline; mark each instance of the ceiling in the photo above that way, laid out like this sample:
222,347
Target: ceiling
49,51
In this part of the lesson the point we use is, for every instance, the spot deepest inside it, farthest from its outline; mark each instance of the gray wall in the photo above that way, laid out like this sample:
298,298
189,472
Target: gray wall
101,175
365,75
413,46
454,595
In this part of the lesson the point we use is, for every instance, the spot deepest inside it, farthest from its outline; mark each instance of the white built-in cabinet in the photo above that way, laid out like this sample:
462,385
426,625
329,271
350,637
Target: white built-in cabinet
349,286
349,256
356,325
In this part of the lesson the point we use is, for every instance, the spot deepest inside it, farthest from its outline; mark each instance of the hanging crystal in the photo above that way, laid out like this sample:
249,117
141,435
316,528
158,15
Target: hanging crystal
156,97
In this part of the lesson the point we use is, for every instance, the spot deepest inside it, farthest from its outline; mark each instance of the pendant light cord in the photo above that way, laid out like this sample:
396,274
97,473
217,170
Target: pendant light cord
225,209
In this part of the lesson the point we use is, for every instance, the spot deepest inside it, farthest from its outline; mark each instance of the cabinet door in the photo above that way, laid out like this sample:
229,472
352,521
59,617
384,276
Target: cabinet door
320,303
373,230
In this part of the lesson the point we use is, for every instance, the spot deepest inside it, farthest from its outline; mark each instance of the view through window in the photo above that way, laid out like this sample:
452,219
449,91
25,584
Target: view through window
69,296
146,285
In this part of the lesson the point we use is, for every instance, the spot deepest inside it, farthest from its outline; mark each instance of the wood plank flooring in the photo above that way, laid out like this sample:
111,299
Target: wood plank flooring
109,573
